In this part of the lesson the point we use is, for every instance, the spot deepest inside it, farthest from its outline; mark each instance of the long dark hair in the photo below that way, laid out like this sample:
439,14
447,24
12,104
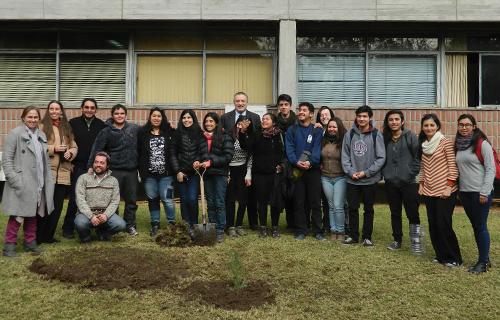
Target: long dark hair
387,133
341,131
421,136
477,134
64,128
164,124
195,127
318,115
218,130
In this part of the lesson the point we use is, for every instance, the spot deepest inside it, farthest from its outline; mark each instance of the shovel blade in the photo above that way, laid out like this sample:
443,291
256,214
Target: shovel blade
204,234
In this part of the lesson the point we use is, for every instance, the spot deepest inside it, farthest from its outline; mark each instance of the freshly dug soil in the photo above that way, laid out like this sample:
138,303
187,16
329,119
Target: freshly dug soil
113,268
222,295
174,235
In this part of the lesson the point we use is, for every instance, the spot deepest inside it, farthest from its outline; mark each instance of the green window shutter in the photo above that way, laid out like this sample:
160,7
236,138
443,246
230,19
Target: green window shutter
332,79
100,76
27,78
401,80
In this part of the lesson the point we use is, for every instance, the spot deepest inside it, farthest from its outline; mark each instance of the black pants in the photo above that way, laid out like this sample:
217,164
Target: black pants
127,179
252,207
407,196
443,238
47,225
307,193
236,192
356,194
68,226
264,184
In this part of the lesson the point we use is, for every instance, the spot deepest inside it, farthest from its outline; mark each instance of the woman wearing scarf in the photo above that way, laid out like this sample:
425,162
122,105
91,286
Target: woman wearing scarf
333,178
29,189
476,183
268,154
62,150
438,187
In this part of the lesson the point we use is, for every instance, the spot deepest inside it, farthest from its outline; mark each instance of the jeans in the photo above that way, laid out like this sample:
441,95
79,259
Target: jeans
160,189
407,196
69,220
83,225
356,194
127,179
188,191
443,238
307,194
334,190
478,216
215,193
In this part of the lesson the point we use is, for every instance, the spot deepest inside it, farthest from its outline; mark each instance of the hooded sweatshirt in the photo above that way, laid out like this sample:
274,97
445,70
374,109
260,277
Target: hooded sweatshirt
402,164
359,154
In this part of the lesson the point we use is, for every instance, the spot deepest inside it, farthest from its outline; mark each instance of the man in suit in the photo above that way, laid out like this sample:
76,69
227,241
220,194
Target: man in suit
240,101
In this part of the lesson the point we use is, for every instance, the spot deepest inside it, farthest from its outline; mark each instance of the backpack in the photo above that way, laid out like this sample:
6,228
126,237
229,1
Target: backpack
495,157
374,136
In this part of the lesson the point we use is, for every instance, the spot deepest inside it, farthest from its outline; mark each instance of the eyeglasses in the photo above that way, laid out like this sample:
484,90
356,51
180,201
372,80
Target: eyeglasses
464,125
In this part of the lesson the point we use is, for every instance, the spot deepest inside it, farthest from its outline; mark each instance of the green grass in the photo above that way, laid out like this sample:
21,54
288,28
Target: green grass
313,280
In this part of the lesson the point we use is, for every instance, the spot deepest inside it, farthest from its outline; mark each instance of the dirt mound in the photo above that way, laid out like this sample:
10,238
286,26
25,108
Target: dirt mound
222,295
174,235
113,268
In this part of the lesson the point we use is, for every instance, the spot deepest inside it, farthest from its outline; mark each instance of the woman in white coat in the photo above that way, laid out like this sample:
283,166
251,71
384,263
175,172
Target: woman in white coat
29,189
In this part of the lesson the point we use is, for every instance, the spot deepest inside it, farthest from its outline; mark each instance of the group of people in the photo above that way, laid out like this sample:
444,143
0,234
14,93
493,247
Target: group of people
315,170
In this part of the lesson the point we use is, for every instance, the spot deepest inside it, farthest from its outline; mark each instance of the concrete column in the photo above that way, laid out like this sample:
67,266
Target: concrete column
287,63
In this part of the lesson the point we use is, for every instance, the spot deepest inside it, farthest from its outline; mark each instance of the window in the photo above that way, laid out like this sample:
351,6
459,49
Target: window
490,82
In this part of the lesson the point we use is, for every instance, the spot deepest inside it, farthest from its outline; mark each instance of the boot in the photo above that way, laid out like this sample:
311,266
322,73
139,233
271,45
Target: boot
9,250
262,232
155,226
416,240
32,247
276,232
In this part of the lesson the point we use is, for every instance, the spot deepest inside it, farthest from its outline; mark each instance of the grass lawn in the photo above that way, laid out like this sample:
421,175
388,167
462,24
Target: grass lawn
310,279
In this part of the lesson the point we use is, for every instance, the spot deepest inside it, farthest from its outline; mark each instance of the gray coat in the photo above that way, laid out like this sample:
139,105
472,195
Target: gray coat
19,164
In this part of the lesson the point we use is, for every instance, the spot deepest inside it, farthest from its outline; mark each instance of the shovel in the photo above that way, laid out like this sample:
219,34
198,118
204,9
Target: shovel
204,234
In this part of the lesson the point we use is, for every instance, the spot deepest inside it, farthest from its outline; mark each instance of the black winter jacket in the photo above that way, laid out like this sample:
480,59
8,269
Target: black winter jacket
267,152
120,144
85,137
144,151
221,154
185,151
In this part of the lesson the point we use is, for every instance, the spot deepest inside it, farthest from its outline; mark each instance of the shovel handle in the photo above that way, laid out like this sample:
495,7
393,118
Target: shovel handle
202,192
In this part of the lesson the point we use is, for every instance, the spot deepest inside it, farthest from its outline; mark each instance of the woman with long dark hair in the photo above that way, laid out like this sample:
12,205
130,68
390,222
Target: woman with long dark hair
217,152
268,154
438,187
476,165
333,179
62,150
154,141
29,189
186,150
239,178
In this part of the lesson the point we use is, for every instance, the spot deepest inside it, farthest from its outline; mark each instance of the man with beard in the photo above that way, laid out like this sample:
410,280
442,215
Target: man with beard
98,197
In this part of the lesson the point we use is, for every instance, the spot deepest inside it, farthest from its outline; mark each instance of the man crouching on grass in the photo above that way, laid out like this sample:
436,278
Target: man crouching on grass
97,198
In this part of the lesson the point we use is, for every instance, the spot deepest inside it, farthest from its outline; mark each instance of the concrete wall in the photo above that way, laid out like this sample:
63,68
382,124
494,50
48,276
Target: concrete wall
342,10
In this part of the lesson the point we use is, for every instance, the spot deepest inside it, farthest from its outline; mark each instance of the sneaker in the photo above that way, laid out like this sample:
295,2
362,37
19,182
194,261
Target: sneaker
320,237
349,241
300,237
452,264
276,233
479,267
262,232
219,237
395,245
231,232
154,231
367,243
240,231
132,231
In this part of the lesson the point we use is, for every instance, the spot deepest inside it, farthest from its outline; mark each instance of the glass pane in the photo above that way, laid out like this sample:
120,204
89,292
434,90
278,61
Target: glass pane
336,79
403,44
94,40
169,79
241,43
229,74
455,44
490,82
484,44
401,80
167,42
330,43
28,40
